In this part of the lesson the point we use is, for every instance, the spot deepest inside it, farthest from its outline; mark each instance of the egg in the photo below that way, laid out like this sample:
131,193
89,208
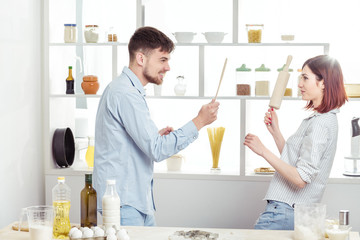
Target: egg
88,233
110,230
99,232
76,234
73,230
111,237
122,235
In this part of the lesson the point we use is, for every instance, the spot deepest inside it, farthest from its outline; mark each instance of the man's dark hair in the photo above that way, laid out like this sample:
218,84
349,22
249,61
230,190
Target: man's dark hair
146,39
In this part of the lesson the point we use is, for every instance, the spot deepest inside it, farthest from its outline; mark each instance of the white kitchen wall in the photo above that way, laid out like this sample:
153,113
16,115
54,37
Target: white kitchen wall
21,163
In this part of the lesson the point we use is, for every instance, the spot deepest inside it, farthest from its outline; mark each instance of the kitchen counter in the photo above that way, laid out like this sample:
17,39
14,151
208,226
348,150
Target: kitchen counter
162,233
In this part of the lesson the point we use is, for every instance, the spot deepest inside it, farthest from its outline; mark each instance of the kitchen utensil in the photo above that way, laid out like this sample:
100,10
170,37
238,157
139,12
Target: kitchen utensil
352,162
184,37
280,86
222,75
63,147
214,37
40,220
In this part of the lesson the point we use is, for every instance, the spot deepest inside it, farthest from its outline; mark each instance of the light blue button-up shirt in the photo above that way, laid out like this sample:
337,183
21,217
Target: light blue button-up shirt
127,143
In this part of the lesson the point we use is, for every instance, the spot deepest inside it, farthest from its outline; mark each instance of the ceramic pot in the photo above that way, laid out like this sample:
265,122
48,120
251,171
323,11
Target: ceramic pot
90,84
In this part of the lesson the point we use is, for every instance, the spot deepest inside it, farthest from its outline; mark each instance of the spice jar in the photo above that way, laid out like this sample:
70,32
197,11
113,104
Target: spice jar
90,84
262,82
243,81
288,90
70,33
254,32
91,33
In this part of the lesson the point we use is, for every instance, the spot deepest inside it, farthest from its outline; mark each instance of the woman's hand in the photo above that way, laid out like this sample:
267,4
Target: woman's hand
166,131
253,142
271,121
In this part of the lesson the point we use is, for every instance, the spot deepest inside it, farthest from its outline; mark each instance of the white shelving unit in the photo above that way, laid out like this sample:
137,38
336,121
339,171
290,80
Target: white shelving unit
52,111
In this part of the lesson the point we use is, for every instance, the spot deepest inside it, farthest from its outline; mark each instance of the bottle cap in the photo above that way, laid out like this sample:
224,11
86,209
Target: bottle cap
88,178
110,181
282,68
344,217
70,67
61,179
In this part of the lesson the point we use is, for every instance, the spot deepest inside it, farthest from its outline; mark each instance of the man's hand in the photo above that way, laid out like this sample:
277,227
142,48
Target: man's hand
166,131
207,114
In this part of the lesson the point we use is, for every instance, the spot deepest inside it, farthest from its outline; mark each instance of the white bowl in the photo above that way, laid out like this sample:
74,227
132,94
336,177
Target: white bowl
184,37
214,37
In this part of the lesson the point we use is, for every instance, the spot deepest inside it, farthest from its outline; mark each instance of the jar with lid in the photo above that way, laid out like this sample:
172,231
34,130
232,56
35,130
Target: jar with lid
243,81
69,33
90,84
91,33
254,32
289,86
262,80
180,87
298,81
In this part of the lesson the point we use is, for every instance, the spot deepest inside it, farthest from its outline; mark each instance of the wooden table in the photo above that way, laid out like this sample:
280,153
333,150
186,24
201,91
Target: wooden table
162,233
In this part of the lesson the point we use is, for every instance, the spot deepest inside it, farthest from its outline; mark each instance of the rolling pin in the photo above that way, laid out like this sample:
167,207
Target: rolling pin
280,86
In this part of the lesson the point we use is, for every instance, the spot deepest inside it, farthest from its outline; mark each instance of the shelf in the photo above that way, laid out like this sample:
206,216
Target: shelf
280,44
87,44
205,175
80,95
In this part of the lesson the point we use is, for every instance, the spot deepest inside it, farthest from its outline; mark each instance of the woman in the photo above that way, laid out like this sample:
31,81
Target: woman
307,156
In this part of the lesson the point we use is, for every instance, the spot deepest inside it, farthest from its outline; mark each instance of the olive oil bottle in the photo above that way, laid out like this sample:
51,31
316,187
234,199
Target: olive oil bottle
70,82
88,203
61,202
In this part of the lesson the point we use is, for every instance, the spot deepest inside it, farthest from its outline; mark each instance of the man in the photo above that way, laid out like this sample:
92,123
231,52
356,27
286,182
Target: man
127,141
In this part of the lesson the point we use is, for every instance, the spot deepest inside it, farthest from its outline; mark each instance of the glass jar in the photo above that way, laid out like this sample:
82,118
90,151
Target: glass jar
254,32
69,33
262,80
91,33
243,81
289,86
180,87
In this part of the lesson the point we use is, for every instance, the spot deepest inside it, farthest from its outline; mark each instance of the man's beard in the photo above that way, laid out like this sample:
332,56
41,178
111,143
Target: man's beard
151,79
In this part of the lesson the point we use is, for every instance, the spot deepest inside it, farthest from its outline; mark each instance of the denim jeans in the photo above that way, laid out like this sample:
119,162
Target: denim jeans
130,216
277,216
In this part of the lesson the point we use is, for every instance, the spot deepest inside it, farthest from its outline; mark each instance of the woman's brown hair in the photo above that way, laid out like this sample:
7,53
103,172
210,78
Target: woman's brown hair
328,69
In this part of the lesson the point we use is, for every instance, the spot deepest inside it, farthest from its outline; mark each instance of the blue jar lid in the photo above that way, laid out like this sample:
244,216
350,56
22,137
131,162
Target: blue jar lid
69,25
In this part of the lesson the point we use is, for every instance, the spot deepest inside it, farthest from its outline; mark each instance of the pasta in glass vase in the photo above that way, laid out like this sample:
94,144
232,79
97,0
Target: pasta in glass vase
215,138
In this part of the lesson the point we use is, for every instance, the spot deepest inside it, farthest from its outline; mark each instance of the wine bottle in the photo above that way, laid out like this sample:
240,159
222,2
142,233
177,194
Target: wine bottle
88,203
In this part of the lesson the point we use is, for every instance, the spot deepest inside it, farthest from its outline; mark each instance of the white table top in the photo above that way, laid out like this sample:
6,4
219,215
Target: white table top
163,233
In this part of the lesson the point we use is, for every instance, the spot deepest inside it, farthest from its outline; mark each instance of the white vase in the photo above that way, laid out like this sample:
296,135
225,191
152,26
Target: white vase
180,87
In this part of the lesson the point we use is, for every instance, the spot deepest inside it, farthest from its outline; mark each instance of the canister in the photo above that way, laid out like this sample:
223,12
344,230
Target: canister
244,81
91,33
69,33
262,80
289,87
254,32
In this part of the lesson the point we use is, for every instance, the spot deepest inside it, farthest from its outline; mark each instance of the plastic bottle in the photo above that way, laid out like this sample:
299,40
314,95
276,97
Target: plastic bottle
111,205
89,156
61,201
88,203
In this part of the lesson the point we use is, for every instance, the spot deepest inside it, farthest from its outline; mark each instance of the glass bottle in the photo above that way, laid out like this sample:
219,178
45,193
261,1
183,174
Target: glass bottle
89,156
180,87
289,87
61,201
70,82
88,203
111,205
